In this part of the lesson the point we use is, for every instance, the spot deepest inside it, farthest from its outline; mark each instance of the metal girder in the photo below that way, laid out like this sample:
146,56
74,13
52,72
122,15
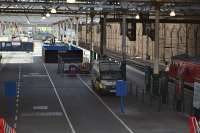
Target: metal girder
162,20
38,3
148,1
184,7
34,11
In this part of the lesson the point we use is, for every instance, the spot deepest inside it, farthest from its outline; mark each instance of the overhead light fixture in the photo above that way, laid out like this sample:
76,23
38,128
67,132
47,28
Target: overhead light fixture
172,13
48,15
71,1
137,16
53,10
43,17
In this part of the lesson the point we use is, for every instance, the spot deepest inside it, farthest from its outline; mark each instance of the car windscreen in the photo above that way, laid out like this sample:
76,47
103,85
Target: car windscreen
110,75
109,67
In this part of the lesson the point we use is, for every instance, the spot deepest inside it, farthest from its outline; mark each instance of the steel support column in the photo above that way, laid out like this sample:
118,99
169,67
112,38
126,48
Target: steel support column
196,43
187,40
91,38
86,30
103,34
77,33
70,20
1,28
123,65
156,45
58,31
61,27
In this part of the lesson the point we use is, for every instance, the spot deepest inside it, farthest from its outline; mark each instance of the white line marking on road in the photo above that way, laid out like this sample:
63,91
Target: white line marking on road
31,76
17,100
44,114
60,101
17,97
40,107
109,109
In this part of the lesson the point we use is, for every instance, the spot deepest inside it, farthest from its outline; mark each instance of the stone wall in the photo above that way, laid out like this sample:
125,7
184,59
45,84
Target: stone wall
175,39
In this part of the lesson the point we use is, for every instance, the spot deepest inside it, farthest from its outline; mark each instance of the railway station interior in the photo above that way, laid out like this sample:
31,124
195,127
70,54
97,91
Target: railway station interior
99,66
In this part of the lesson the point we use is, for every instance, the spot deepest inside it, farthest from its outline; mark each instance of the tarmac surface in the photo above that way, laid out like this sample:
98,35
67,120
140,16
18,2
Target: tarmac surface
48,102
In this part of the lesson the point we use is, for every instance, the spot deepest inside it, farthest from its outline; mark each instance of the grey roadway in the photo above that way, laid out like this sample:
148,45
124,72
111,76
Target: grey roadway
41,111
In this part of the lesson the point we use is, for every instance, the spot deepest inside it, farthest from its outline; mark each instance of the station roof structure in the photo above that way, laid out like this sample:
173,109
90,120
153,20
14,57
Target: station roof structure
32,10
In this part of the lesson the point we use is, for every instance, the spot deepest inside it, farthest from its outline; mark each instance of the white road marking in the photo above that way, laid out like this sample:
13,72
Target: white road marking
60,101
17,98
44,114
34,73
40,107
30,75
109,109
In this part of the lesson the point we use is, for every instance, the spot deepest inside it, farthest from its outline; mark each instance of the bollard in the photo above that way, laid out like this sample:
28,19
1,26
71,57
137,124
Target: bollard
143,94
136,92
121,91
10,93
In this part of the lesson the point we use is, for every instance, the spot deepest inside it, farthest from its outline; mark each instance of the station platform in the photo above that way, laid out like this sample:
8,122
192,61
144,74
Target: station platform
49,102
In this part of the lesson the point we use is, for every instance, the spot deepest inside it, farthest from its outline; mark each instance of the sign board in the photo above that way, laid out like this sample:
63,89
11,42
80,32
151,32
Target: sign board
10,88
196,97
121,88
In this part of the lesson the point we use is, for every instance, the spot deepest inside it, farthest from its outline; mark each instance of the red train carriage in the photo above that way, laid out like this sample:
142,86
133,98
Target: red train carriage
186,68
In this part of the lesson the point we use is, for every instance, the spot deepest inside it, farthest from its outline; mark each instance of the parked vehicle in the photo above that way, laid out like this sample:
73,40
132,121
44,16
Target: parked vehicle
104,76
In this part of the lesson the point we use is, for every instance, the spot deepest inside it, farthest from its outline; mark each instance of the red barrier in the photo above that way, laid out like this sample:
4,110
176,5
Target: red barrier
193,125
2,125
5,128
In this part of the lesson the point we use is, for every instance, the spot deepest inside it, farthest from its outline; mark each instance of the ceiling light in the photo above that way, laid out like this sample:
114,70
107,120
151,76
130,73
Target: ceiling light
48,15
43,17
53,10
172,13
137,16
71,1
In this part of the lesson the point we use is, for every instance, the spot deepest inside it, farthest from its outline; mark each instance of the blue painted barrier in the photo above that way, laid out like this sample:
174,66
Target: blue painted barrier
10,89
122,91
10,93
